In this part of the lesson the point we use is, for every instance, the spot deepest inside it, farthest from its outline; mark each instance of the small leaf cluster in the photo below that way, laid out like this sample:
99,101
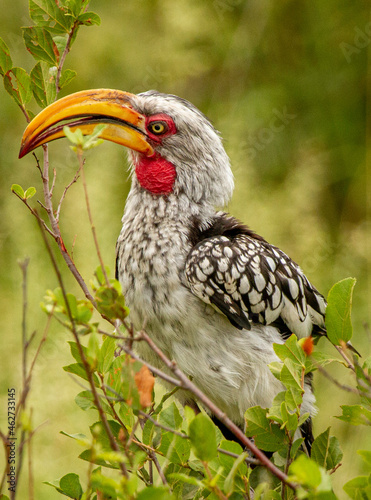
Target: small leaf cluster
50,38
23,194
84,142
110,301
277,429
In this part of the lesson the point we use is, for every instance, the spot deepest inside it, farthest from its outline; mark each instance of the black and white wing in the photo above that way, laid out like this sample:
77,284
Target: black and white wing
251,281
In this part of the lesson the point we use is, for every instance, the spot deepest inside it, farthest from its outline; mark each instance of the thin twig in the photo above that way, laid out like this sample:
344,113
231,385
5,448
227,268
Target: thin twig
74,180
161,426
53,181
248,460
343,355
63,56
346,388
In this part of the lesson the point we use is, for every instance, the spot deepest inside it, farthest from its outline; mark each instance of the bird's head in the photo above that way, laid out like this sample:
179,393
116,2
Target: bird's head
174,147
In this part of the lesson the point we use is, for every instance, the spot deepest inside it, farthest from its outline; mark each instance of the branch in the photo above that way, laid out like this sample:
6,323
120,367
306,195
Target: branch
343,355
185,383
75,178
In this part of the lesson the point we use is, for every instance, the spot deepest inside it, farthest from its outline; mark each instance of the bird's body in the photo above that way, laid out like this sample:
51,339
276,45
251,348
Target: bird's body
212,294
228,364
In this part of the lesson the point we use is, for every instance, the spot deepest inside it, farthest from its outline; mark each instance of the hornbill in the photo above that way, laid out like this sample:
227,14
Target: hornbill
213,294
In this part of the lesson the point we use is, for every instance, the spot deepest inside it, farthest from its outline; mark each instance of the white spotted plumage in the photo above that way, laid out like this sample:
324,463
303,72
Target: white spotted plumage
268,283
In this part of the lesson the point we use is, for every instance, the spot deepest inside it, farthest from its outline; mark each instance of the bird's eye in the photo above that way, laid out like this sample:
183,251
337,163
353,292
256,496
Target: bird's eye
158,127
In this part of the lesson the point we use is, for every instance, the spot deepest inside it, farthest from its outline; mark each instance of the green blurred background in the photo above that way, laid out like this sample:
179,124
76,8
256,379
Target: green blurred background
287,85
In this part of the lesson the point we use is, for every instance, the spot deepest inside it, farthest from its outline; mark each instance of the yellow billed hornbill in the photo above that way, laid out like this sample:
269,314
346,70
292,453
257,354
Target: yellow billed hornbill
212,294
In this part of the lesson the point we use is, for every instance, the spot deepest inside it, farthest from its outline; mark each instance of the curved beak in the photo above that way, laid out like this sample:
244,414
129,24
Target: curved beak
85,110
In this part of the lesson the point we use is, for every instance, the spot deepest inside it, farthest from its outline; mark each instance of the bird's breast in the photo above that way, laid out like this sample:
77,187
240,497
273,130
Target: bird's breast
151,253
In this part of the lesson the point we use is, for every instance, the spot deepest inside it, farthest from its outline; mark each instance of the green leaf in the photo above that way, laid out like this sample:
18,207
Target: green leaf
61,42
174,447
355,415
84,311
295,447
50,16
17,83
111,303
54,484
93,347
290,349
170,417
268,436
75,351
203,437
126,414
326,450
294,398
70,485
359,488
305,471
89,18
366,455
79,370
76,6
106,354
274,412
18,190
41,45
85,400
115,374
67,76
229,480
92,140
91,457
290,420
225,460
105,485
186,479
291,374
29,193
338,311
43,84
5,59
72,304
75,137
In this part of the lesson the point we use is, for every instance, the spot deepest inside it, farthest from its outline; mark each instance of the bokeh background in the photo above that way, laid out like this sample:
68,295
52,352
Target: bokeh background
287,84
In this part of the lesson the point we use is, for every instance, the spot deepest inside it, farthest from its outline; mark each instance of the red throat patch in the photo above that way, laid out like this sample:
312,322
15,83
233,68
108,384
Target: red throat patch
155,174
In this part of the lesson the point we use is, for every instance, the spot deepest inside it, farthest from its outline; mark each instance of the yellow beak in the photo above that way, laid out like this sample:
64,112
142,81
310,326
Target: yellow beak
87,109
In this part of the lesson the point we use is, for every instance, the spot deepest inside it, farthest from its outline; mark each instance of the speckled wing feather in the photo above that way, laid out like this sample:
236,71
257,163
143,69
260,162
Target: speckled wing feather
251,281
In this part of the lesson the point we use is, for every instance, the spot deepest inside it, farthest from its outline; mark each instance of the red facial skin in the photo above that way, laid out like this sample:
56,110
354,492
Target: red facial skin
154,173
